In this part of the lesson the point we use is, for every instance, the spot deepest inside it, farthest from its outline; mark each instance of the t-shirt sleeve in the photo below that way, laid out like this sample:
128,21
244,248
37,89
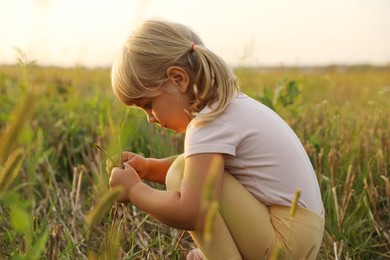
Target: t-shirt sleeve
214,137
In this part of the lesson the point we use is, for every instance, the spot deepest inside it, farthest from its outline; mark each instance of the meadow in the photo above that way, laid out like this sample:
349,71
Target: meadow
54,197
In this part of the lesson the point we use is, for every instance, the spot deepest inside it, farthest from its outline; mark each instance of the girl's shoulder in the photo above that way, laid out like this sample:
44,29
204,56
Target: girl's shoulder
243,105
237,102
243,111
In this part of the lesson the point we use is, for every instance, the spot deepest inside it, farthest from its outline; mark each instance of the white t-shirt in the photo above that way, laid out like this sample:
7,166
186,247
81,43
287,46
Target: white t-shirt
261,151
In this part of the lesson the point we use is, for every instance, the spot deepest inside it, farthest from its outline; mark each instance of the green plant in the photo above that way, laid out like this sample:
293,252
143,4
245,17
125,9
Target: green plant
284,95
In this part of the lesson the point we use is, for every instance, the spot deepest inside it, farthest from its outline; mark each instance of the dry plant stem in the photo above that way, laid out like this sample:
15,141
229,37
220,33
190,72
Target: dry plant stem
178,241
106,236
114,219
293,207
334,192
119,164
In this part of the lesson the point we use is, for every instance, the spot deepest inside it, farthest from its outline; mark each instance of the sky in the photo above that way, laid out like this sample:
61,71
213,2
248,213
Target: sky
247,32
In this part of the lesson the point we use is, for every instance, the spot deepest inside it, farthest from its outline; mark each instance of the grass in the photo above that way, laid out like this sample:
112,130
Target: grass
51,120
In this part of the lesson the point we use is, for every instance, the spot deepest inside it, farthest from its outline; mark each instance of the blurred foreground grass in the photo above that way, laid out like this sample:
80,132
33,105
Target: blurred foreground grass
51,119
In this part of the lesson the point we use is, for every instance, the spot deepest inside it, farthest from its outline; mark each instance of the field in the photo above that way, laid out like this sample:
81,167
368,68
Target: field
54,198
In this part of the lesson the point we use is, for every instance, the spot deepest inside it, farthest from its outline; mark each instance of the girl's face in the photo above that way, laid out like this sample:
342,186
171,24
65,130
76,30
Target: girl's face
168,108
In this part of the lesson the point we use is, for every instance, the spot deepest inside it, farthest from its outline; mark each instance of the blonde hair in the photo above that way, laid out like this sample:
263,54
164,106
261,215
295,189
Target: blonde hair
157,45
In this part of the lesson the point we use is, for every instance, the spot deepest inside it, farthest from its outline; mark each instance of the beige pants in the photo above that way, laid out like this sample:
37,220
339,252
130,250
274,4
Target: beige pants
245,228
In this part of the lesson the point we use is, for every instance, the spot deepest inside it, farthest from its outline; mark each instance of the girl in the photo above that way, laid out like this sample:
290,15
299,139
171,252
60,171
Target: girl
242,164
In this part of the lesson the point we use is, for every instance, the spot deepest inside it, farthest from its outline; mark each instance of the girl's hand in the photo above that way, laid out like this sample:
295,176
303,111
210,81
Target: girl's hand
137,162
126,178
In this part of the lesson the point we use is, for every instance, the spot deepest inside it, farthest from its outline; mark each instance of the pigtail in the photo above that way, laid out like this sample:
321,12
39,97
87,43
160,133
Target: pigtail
214,84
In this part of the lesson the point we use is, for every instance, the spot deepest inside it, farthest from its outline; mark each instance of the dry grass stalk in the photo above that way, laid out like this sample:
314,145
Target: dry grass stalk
76,197
377,226
382,166
338,251
210,215
53,179
114,220
320,158
371,192
177,244
349,180
347,194
209,201
78,191
277,253
336,207
9,137
294,204
375,194
387,183
117,163
54,242
11,169
124,220
73,200
333,162
345,207
73,190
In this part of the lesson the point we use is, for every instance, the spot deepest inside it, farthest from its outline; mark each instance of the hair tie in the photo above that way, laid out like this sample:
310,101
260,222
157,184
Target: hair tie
193,47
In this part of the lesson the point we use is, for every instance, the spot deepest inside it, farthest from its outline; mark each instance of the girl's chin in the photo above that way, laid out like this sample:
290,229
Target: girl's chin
178,131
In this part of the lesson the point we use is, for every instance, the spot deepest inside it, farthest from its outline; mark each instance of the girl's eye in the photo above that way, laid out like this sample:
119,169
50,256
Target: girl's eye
148,106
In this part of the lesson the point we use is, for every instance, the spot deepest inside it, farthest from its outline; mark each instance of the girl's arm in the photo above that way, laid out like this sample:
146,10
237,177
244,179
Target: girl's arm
150,169
184,209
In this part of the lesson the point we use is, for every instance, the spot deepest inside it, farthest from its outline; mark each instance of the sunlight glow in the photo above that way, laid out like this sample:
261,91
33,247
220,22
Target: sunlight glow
301,32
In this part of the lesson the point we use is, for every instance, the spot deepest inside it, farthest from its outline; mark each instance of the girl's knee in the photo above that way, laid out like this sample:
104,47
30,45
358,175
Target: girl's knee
175,174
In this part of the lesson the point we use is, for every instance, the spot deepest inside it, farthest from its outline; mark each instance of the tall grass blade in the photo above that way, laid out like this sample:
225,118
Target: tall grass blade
9,137
294,205
105,203
209,201
277,253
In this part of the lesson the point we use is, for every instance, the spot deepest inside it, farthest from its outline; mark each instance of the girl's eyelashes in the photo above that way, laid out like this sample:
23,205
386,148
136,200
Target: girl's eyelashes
147,106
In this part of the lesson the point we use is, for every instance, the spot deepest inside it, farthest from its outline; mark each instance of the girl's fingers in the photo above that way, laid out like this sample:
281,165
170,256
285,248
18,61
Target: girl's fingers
123,171
115,171
127,156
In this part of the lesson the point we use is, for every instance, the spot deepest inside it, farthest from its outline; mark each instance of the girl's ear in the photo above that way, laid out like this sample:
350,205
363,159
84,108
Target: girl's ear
179,77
